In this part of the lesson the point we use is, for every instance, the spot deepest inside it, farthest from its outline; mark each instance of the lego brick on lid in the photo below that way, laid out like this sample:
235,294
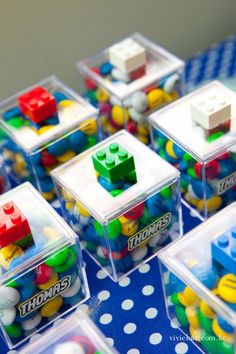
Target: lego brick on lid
27,219
80,178
195,117
42,113
145,61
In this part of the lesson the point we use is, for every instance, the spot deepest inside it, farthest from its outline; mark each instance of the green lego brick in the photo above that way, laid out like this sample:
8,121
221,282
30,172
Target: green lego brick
113,162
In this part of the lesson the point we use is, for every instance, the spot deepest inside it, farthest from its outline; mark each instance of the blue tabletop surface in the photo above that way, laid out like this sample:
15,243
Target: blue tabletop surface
131,313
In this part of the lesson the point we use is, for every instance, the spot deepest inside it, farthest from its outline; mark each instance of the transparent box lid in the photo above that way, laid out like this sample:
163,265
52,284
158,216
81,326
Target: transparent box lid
76,326
42,219
160,63
70,117
78,177
176,122
196,246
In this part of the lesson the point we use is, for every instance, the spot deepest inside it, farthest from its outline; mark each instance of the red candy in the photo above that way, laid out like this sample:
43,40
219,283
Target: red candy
43,274
47,160
135,213
132,127
85,342
2,185
89,83
212,169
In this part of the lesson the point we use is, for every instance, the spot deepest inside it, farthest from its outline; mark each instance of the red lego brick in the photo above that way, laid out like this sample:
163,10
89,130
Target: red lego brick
37,104
13,224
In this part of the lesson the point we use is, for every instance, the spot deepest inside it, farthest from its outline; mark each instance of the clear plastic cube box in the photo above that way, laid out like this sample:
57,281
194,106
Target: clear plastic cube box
197,134
32,149
42,273
124,223
125,102
76,334
199,283
4,181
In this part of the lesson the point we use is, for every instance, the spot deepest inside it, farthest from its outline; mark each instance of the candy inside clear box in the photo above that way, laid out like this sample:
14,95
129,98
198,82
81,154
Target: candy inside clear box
45,125
77,334
197,135
125,222
128,80
199,282
42,271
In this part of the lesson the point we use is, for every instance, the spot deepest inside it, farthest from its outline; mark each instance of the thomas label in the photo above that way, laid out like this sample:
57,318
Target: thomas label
149,231
44,296
226,183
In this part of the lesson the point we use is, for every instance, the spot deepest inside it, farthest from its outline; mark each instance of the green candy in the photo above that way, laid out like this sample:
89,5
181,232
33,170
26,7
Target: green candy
116,192
191,173
92,140
225,348
181,315
69,262
24,242
166,193
12,284
90,246
214,136
184,184
145,219
92,95
13,330
160,142
58,258
113,229
16,122
188,159
206,323
175,299
210,343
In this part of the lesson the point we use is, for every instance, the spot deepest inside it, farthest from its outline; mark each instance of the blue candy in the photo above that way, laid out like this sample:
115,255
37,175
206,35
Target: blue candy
207,275
46,185
27,291
40,172
110,186
198,189
106,68
175,283
154,206
54,120
59,96
78,141
11,113
59,147
224,325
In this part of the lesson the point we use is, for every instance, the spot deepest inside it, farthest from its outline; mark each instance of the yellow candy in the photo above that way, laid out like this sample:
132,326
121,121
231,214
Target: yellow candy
19,170
89,127
104,121
206,310
227,288
49,283
67,196
111,130
155,98
119,115
102,95
142,130
128,227
192,315
51,307
182,300
8,155
45,129
48,195
20,160
212,204
196,333
8,253
82,211
143,138
219,332
50,233
65,104
169,149
191,200
174,95
190,297
69,205
66,156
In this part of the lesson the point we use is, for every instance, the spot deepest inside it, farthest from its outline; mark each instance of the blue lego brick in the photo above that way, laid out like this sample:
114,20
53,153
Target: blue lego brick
223,250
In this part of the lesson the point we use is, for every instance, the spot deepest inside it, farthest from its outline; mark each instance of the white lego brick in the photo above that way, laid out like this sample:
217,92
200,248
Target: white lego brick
211,110
127,55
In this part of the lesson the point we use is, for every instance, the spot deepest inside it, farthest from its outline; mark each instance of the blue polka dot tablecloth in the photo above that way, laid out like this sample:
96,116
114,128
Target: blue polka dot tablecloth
132,313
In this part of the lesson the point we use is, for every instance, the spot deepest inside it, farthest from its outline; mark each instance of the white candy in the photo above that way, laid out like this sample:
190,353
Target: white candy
115,101
137,117
171,83
69,348
31,323
139,253
118,75
9,297
8,316
73,290
139,102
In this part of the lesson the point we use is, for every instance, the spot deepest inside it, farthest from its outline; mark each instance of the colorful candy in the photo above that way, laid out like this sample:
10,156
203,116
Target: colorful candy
205,302
197,138
45,133
42,277
128,210
128,82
